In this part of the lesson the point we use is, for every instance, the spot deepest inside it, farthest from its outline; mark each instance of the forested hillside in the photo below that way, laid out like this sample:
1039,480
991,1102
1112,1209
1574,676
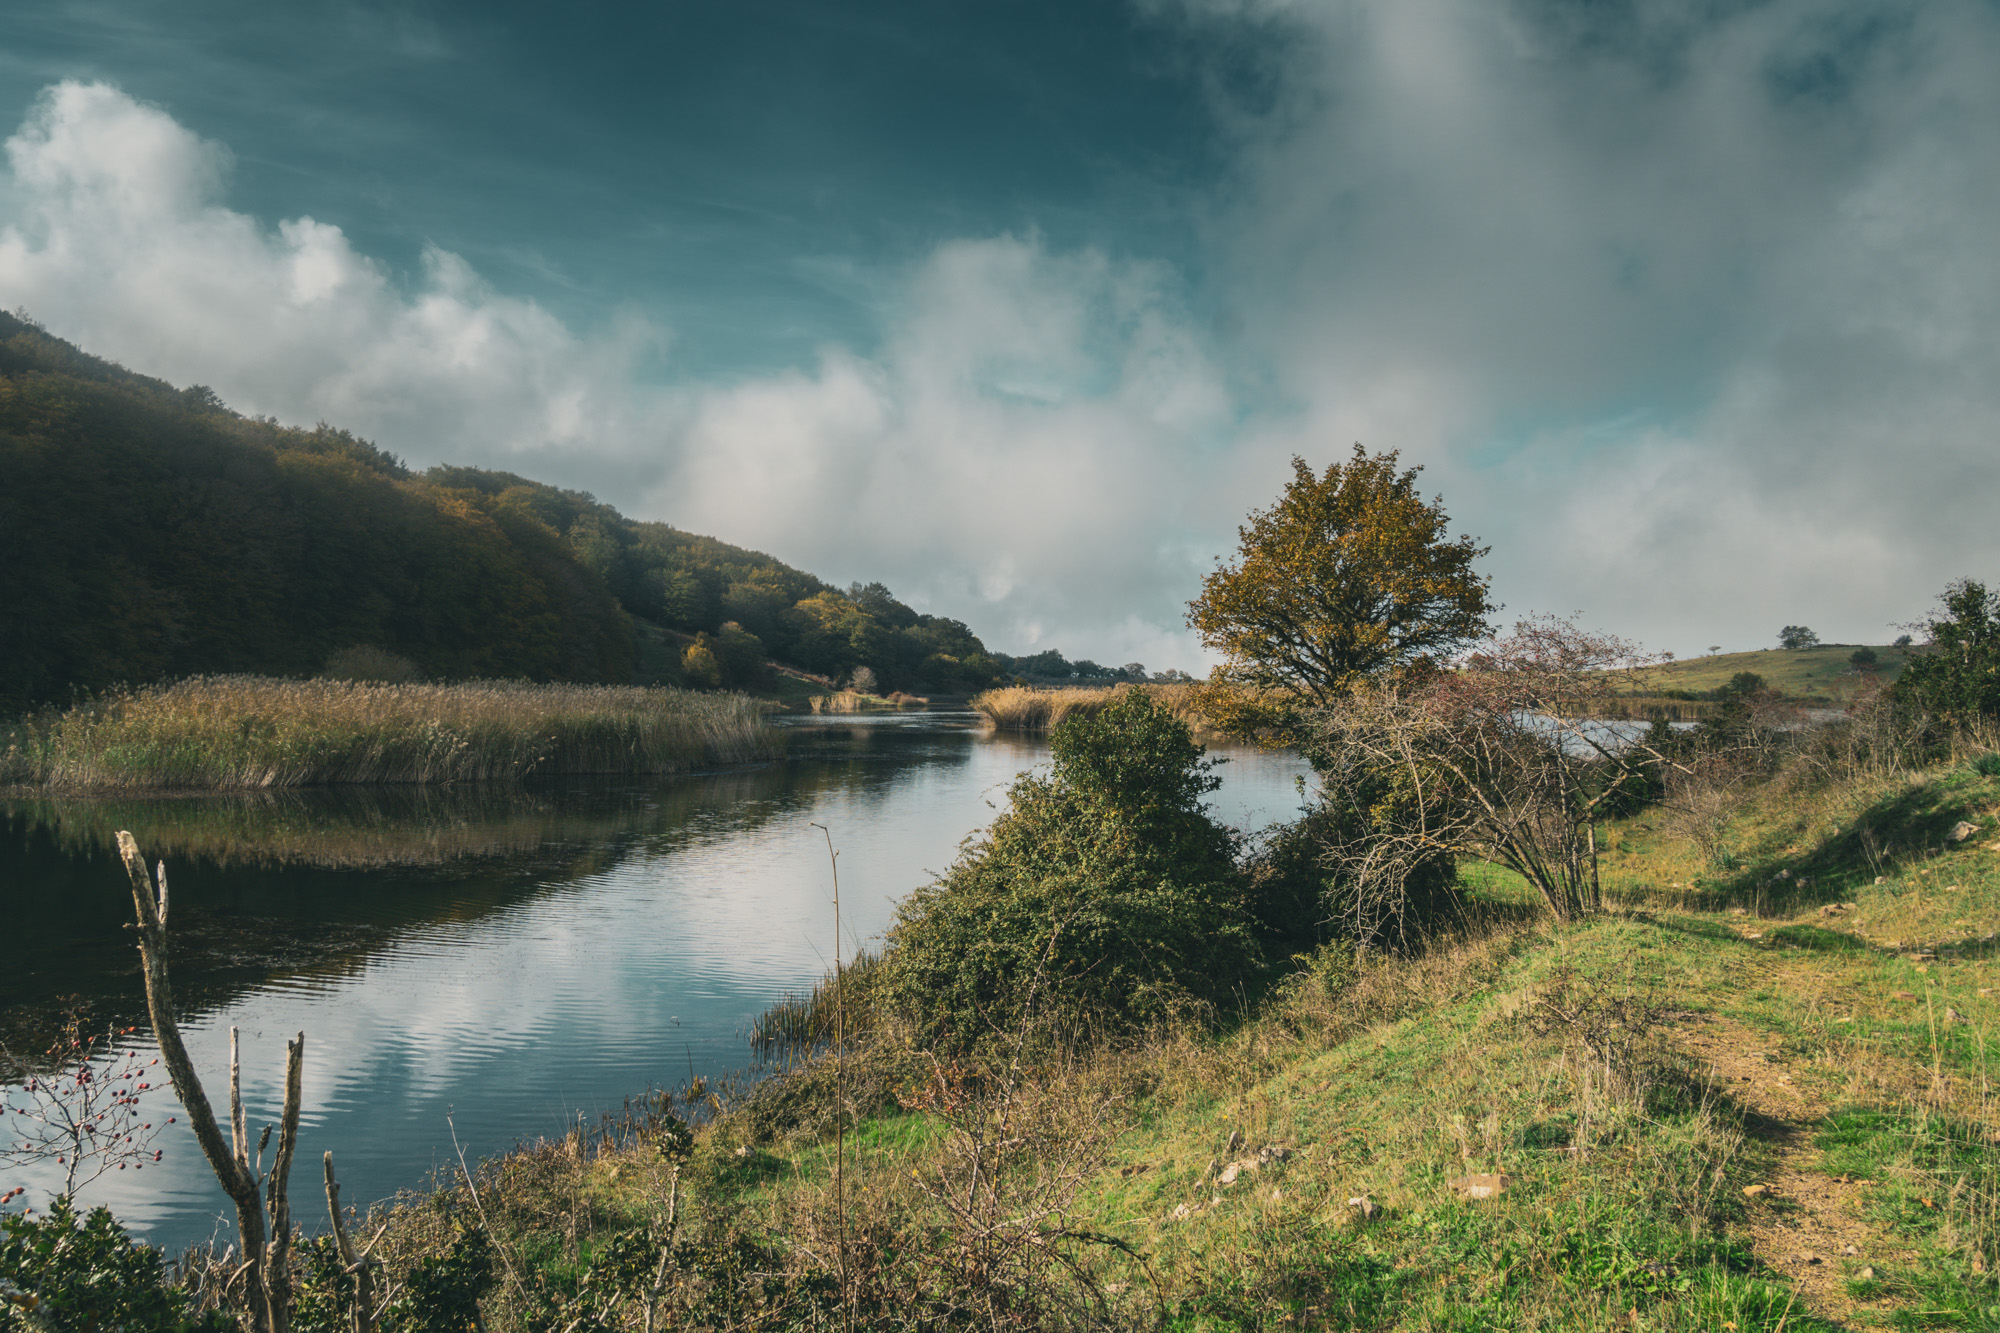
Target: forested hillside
149,532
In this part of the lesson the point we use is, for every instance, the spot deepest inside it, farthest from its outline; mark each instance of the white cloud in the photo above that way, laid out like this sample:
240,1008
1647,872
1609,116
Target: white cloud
118,241
1021,453
1692,313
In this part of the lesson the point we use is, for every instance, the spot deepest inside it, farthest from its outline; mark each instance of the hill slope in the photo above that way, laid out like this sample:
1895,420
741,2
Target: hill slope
1820,674
150,532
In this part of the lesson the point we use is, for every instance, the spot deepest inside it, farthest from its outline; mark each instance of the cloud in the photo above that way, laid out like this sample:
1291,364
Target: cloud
1691,311
1020,453
118,241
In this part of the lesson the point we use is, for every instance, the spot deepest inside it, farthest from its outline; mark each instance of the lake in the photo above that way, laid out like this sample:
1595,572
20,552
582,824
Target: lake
518,957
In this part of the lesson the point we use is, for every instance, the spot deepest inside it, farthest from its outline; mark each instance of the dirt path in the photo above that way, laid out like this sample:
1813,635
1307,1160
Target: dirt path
1804,1224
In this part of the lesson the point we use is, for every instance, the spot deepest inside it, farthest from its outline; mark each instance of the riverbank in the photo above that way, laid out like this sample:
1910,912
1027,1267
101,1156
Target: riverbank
1754,1096
223,732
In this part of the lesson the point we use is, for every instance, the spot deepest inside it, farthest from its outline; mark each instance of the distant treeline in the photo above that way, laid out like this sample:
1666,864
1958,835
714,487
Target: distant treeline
148,532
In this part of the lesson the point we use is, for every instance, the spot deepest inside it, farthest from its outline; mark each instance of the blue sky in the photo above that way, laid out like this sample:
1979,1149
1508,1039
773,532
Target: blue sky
1689,310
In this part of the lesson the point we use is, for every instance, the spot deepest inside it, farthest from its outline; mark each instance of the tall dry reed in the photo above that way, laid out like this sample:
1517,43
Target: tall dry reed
1025,708
212,732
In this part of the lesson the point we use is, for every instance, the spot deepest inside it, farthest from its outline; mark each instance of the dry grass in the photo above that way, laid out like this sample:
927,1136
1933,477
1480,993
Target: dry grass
1025,708
216,732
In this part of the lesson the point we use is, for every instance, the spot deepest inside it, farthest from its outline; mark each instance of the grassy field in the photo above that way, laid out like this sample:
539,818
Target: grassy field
1821,674
220,732
1754,1094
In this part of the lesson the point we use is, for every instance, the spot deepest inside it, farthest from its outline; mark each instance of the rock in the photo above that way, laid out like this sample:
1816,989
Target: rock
1181,1212
1273,1152
1784,874
1961,831
1363,1205
1849,1249
1232,1171
1235,1141
1755,1191
1866,1275
1485,1185
1952,1015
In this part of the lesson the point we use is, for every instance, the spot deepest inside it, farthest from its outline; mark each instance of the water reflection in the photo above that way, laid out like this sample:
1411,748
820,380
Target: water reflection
520,955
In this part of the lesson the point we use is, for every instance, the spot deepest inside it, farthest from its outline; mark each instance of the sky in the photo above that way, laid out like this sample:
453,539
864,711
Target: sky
1690,311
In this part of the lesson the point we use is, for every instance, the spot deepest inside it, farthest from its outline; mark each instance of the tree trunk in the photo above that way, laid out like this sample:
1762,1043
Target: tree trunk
265,1272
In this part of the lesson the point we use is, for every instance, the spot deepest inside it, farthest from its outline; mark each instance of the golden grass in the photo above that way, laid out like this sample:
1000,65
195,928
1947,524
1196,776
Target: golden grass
215,732
1025,708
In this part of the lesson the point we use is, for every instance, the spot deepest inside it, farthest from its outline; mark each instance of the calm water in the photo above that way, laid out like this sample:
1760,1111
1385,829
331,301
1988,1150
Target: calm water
519,957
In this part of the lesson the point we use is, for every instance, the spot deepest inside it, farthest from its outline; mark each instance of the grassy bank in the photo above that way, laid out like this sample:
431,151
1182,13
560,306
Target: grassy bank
1750,1096
220,732
1038,711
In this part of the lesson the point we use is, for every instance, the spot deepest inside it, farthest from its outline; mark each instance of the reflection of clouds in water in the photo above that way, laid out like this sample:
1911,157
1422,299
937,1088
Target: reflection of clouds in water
590,988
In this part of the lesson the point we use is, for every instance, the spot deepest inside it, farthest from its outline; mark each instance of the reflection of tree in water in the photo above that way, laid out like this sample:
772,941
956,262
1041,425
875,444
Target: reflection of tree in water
311,883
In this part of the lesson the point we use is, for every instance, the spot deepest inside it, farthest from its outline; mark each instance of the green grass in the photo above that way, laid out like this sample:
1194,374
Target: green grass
1089,1194
1823,673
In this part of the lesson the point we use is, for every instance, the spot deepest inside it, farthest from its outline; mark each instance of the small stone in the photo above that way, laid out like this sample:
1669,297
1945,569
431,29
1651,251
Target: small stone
1229,1174
1952,1015
1181,1212
1849,1249
1755,1191
1881,879
1235,1141
1485,1185
1866,1275
1363,1205
1962,830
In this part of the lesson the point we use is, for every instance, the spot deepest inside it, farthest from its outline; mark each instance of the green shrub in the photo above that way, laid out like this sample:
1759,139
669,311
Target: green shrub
1104,896
61,1271
1958,679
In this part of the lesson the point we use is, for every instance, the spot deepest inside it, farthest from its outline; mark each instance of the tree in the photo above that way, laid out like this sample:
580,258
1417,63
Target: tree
1347,575
1795,637
1863,659
1959,678
1509,759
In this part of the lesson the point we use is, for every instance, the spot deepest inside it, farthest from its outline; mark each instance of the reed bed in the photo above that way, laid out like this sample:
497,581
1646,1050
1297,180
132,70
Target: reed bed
220,732
1026,708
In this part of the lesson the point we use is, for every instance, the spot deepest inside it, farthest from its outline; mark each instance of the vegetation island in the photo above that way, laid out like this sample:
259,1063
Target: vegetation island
1557,1007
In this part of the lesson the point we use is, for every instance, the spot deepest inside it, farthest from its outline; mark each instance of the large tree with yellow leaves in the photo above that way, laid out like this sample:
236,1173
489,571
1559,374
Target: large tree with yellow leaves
1348,575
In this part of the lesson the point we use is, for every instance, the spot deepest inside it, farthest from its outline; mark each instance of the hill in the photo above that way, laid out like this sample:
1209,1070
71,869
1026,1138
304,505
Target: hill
1821,674
149,532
